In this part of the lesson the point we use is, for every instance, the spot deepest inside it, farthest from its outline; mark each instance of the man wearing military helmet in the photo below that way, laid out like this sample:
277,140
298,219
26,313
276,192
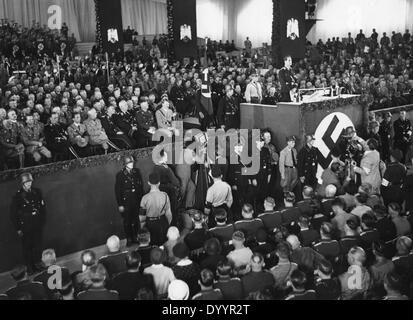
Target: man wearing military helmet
28,215
129,192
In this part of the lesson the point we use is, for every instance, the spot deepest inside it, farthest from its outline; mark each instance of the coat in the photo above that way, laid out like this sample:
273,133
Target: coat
370,170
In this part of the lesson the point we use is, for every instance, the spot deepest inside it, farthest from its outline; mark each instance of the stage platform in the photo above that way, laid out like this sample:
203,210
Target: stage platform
299,119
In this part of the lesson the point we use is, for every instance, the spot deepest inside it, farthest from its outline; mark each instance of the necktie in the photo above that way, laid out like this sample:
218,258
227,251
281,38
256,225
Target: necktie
293,157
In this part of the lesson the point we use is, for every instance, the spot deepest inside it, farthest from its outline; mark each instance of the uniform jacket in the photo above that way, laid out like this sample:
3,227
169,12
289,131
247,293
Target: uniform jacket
28,209
76,132
128,184
32,134
307,162
97,134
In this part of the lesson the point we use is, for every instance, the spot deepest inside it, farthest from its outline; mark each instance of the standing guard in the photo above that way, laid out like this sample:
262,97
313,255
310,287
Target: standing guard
28,215
307,163
129,192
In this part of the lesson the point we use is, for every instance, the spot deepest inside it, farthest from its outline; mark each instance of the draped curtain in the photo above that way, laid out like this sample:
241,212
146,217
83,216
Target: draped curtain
78,14
147,17
215,19
340,17
235,20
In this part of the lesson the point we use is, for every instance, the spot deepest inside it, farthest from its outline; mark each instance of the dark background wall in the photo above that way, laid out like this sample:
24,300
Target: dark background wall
81,207
184,12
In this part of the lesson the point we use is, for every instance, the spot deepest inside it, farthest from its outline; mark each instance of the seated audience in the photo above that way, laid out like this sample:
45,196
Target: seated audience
162,275
208,292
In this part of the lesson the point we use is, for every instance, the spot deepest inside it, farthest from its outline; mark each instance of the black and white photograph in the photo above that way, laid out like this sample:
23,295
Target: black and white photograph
220,153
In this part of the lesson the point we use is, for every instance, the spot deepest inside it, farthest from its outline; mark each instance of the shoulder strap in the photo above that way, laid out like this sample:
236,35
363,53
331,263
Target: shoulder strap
164,205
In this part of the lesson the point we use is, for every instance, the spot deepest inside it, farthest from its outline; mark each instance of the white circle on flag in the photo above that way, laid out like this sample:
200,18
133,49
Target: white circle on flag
343,122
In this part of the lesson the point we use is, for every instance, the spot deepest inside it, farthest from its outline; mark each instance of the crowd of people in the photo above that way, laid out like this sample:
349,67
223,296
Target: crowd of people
206,231
348,242
37,81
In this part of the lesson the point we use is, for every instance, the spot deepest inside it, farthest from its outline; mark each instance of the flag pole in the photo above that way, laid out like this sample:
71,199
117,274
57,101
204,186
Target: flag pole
107,66
206,50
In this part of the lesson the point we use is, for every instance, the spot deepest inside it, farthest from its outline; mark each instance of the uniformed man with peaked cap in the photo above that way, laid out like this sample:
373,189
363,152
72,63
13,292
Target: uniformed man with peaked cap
129,192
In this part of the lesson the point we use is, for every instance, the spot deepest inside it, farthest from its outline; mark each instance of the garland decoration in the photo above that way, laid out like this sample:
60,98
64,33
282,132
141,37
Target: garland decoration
171,37
331,104
276,34
69,166
99,38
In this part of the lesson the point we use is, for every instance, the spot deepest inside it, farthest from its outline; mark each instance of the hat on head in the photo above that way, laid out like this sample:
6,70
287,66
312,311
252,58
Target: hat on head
349,131
178,290
154,178
25,177
291,138
128,159
397,154
180,250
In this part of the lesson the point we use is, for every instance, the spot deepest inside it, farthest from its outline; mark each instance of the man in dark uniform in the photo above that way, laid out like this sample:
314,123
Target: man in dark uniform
196,238
264,176
57,138
228,110
287,79
402,134
393,179
307,163
25,287
146,124
248,224
177,96
217,92
223,231
238,182
385,132
28,215
271,98
129,192
114,133
124,120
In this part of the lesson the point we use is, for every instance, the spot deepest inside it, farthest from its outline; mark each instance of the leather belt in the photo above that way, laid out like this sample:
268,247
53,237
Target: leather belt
289,167
155,218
